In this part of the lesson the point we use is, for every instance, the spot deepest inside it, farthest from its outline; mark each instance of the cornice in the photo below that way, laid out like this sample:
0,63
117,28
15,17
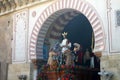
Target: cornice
8,6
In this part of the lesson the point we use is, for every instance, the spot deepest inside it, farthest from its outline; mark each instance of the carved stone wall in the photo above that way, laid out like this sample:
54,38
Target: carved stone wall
5,38
111,63
8,5
14,70
3,70
20,31
5,44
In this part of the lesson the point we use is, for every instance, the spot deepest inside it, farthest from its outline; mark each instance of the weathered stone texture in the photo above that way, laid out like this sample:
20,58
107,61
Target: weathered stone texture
8,5
15,70
3,71
5,45
111,63
5,38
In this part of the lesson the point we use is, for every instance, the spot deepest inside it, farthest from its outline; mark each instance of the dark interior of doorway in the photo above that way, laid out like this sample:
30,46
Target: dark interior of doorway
80,30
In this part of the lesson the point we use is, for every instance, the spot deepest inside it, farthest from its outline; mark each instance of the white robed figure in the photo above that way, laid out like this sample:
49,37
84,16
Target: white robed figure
66,53
65,44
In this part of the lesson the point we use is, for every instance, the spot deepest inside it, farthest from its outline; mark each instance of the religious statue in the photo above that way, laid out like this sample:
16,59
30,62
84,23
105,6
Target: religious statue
66,52
66,45
52,60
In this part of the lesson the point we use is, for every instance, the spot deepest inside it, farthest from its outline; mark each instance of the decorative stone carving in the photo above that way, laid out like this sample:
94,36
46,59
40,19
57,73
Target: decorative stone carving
18,3
31,0
19,36
13,4
2,7
24,2
7,5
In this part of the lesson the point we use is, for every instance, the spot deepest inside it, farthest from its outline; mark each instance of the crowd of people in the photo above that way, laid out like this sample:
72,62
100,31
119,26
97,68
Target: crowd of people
74,57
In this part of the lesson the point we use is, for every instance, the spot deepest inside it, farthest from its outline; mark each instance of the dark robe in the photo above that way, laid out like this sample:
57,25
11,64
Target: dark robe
78,58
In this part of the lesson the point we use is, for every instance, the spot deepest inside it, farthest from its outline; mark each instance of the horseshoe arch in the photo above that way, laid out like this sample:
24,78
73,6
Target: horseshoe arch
79,5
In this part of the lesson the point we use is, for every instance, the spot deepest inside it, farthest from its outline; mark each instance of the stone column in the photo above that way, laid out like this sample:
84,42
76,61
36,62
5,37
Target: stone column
3,71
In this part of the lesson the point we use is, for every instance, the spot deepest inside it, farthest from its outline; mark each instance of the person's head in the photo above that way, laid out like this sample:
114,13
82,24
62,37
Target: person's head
76,46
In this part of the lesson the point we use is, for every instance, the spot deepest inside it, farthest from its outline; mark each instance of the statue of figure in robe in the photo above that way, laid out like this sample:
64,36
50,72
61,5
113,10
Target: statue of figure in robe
66,52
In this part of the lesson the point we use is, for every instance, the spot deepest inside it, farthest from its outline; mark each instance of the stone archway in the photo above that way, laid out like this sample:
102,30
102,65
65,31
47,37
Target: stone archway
78,5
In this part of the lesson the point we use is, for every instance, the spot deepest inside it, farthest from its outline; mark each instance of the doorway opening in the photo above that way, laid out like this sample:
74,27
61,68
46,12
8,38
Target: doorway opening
79,31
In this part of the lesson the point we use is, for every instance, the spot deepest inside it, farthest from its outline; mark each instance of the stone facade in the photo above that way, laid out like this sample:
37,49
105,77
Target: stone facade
6,38
7,6
3,70
15,70
111,63
5,45
34,18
